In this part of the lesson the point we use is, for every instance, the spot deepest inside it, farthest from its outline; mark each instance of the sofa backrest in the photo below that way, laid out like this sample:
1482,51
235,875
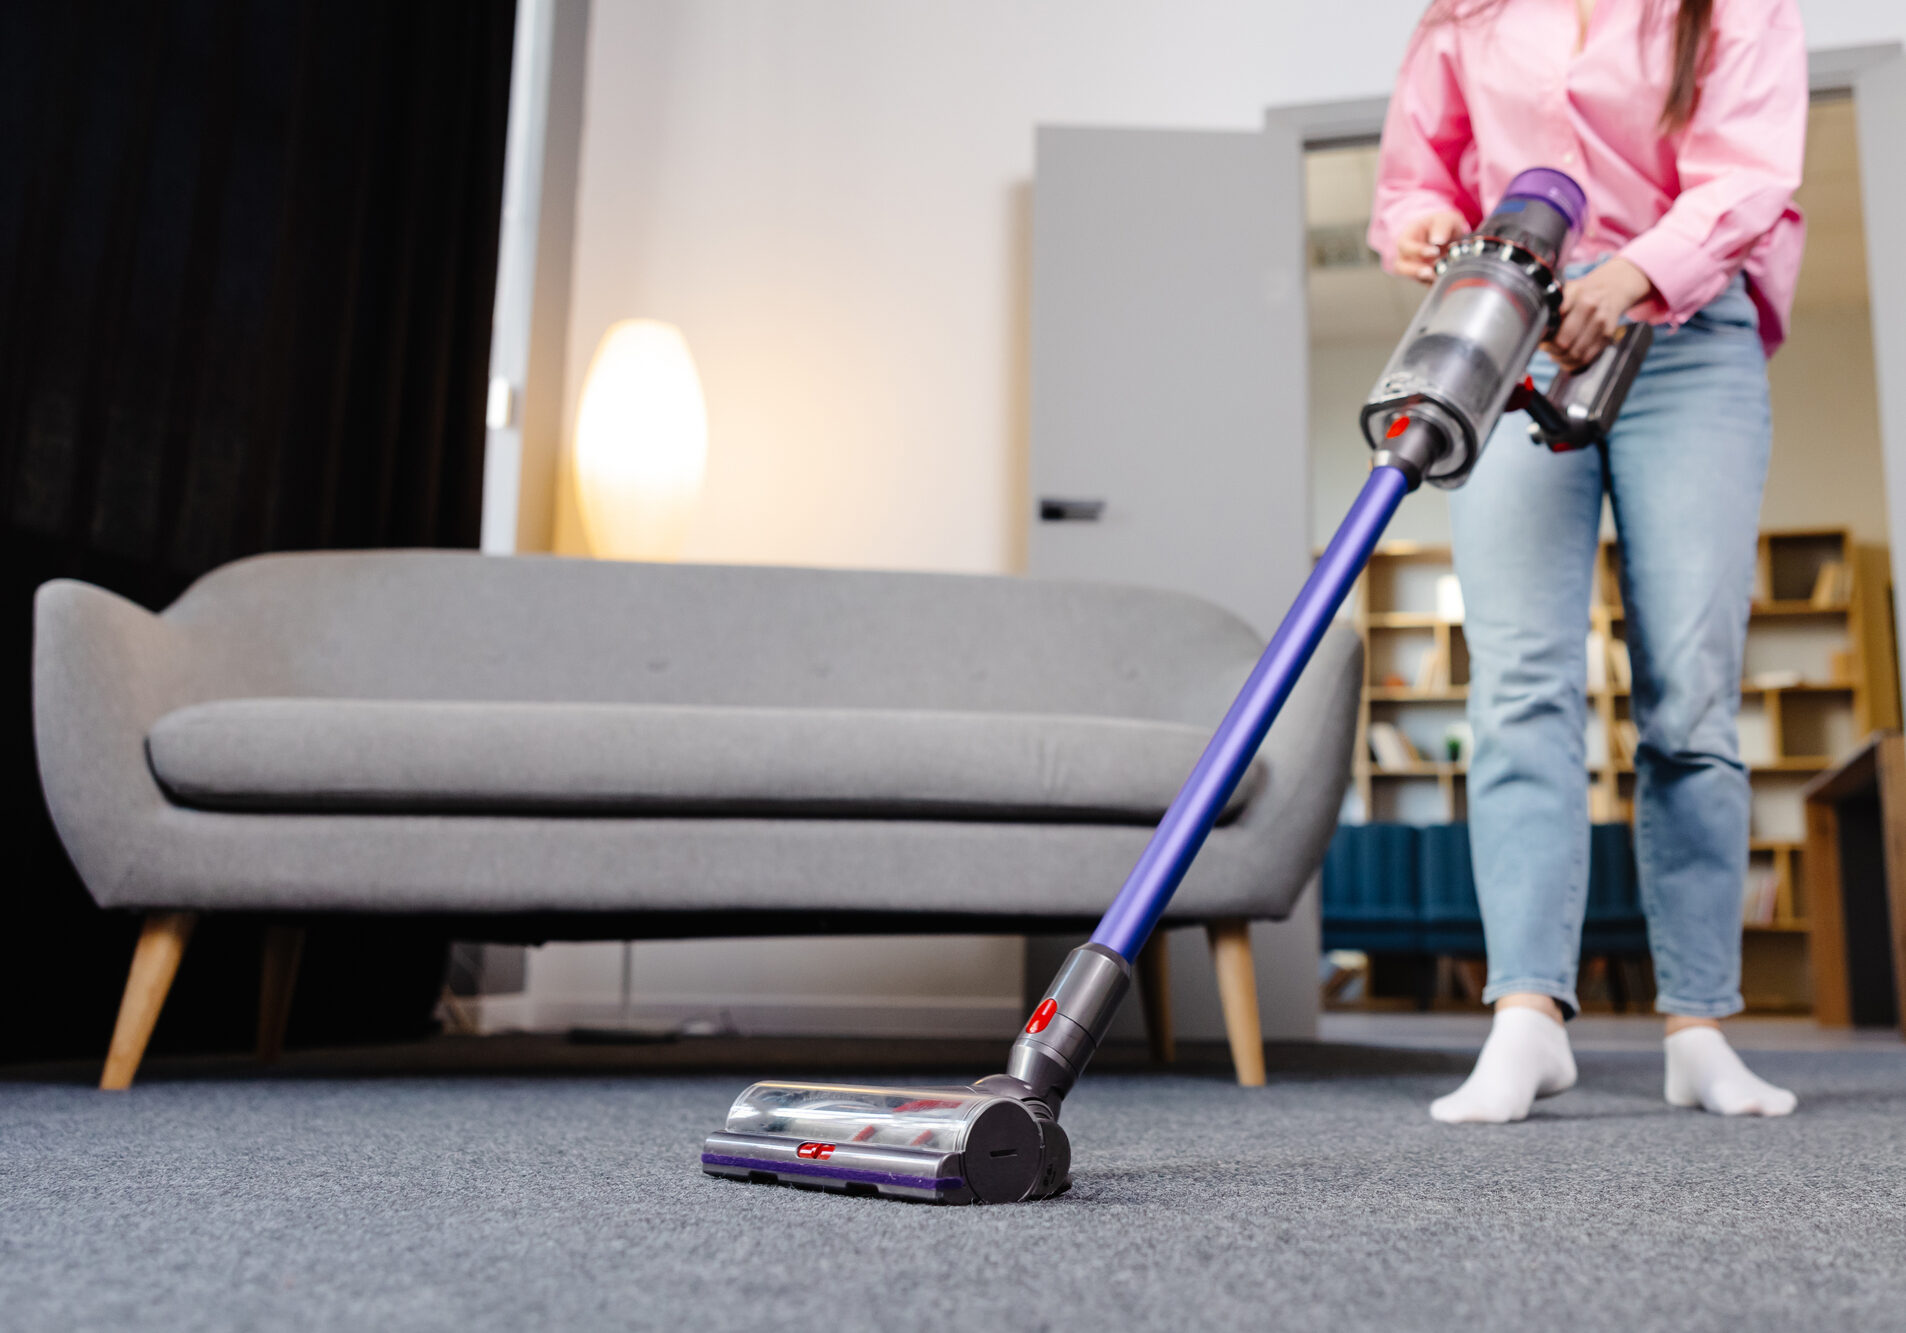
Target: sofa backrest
458,625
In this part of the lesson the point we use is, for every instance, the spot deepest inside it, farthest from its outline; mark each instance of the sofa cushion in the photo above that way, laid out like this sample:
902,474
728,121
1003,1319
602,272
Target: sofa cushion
293,755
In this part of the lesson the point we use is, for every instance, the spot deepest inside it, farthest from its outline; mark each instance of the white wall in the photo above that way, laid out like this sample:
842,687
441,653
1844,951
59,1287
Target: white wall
823,195
1826,468
955,986
1840,23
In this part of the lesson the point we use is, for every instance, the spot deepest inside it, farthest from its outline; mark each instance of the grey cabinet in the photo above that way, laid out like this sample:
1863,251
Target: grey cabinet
1169,363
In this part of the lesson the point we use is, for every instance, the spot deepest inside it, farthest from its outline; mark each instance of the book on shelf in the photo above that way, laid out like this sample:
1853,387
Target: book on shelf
1390,747
1832,585
1597,661
1432,673
1621,667
1603,807
1629,735
1775,680
1754,728
1449,599
1760,896
1595,742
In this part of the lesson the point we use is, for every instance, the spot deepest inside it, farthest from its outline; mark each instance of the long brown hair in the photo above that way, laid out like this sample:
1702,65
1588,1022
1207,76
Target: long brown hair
1693,20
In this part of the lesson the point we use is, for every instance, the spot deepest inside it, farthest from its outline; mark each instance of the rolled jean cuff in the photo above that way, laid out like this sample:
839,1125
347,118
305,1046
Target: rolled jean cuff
1562,995
1668,1004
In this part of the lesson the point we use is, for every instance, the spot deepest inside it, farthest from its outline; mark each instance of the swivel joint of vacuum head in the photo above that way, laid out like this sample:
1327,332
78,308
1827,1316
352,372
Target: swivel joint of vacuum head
1066,1026
994,1141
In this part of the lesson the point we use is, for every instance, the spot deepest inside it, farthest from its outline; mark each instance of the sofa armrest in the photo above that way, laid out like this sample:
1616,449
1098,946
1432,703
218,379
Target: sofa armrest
104,670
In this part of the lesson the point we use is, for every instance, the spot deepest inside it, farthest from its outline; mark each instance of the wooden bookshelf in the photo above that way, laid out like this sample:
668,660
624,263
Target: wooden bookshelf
1821,676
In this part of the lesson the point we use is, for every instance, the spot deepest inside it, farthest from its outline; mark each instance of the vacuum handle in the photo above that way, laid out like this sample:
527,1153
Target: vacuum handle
1579,407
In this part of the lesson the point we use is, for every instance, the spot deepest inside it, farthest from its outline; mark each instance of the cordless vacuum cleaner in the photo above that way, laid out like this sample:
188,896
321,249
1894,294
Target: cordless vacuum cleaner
1461,365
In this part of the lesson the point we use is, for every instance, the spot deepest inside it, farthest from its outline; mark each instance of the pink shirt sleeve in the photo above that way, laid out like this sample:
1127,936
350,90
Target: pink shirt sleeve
1425,134
1739,160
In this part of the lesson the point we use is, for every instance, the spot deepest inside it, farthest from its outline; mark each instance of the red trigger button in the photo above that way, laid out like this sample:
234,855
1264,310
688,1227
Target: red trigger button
1042,1015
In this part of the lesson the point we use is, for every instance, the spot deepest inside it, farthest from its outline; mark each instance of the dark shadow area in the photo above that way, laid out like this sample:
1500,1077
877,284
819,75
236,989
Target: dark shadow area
535,1055
247,263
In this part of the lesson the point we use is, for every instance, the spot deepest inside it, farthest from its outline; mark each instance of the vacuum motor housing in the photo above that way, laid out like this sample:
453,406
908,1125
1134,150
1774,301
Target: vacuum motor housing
1498,293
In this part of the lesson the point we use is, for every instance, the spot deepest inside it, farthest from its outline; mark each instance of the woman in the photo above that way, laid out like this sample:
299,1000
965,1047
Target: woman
1685,123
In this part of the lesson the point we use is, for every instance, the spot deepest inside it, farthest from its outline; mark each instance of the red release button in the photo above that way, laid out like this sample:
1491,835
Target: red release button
1397,427
1042,1015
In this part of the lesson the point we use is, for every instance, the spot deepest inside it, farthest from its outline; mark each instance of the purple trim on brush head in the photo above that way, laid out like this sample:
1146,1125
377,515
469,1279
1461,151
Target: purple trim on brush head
1552,187
834,1172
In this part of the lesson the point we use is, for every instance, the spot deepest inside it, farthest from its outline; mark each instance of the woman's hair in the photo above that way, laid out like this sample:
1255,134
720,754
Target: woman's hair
1691,26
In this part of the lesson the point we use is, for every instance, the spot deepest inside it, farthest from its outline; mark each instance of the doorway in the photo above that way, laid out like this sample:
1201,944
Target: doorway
1806,706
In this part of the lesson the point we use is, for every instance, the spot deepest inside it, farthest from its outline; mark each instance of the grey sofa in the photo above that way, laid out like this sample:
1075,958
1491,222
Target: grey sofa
535,747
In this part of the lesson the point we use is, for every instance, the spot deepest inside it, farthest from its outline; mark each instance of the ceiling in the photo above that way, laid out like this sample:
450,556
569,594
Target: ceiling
1353,300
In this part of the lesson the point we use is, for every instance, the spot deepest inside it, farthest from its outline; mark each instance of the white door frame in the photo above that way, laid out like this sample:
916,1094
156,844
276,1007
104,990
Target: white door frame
529,324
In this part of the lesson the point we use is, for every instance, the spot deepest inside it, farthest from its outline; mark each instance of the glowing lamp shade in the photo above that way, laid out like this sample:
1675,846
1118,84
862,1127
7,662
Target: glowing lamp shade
641,443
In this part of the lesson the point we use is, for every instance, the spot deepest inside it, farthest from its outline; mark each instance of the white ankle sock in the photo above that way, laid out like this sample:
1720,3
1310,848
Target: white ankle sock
1703,1071
1526,1057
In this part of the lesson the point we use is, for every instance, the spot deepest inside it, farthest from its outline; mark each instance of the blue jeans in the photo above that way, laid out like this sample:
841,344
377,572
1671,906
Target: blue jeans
1684,468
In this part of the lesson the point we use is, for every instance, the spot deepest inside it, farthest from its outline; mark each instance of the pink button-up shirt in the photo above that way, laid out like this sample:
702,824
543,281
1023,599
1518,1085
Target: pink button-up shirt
1479,100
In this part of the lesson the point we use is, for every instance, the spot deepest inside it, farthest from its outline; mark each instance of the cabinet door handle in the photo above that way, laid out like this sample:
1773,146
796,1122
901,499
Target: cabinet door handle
1052,509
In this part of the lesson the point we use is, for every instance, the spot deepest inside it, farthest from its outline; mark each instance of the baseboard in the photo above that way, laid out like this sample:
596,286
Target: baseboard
762,1015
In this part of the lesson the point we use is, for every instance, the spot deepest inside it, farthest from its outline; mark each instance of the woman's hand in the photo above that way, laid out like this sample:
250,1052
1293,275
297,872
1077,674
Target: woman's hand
1592,307
1421,244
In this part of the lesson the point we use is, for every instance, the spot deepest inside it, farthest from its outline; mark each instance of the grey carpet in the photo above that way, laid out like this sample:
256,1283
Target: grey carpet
1328,1200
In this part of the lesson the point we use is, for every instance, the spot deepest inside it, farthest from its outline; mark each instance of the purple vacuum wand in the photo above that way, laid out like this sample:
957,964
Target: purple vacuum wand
1497,295
1410,447
1129,922
1461,364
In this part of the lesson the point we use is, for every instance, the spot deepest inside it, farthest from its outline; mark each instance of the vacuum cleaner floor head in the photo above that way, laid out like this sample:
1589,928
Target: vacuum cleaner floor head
998,1141
932,1145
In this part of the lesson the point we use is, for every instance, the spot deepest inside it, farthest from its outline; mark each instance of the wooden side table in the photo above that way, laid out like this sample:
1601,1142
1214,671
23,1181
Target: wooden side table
1856,886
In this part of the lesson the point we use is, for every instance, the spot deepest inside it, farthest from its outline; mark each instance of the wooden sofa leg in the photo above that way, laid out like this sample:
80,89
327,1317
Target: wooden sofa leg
284,946
1237,993
155,961
1154,992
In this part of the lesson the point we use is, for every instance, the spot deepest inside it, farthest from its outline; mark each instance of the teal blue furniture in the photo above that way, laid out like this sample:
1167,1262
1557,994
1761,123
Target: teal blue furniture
1401,888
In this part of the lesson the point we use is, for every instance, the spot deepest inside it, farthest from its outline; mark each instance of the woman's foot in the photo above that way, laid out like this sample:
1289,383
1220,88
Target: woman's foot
1704,1071
1526,1057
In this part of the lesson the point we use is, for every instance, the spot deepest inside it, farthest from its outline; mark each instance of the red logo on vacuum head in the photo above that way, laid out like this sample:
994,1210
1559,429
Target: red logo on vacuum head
1042,1015
815,1152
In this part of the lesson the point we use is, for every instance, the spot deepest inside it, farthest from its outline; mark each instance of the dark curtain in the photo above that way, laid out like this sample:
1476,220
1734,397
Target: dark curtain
247,259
